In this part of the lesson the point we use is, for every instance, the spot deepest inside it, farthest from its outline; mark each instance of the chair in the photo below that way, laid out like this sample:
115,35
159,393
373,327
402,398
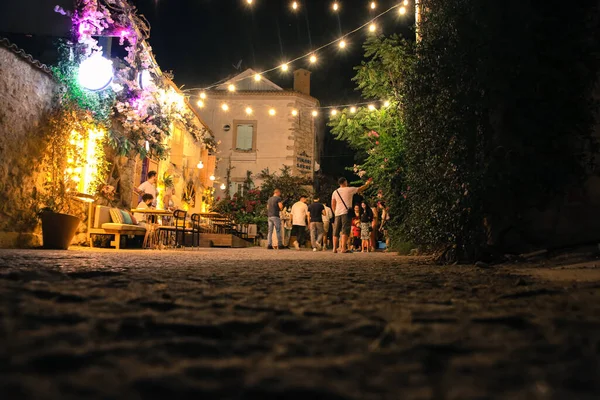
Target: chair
177,230
196,230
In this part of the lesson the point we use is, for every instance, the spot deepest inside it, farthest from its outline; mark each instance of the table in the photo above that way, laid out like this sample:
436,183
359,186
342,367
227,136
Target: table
151,240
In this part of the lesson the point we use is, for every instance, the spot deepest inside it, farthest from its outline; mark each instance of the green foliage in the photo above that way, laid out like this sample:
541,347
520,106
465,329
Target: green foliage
292,187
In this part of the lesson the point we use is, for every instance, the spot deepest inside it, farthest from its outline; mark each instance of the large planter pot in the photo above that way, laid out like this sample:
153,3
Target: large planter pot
58,230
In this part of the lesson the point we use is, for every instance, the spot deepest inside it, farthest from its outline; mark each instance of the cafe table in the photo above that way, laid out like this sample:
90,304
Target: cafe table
151,240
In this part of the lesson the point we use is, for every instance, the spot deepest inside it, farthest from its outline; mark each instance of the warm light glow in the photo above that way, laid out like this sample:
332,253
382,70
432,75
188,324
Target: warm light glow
295,5
200,103
200,165
284,67
223,186
372,27
249,1
147,146
352,110
342,44
224,107
212,177
272,112
257,77
371,107
203,95
231,87
336,6
86,161
405,2
386,103
402,10
248,110
294,112
373,5
95,73
333,113
313,59
315,113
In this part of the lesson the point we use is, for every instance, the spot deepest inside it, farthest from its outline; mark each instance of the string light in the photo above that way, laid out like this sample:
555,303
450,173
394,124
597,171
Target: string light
284,67
371,107
315,113
334,112
352,110
257,77
212,177
224,107
373,5
294,112
295,5
313,59
272,112
342,44
200,103
203,95
372,27
231,88
249,2
402,10
248,111
223,186
386,103
336,6
200,165
405,2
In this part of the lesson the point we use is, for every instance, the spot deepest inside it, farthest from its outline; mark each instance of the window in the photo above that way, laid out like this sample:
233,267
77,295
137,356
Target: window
244,136
236,188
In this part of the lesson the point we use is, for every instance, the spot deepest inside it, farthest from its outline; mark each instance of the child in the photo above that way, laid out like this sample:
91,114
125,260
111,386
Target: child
355,242
366,220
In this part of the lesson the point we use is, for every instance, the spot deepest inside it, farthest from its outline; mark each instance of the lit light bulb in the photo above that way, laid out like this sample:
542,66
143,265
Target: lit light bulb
272,112
386,103
200,165
315,113
223,186
200,103
334,112
405,2
294,112
313,59
224,107
248,110
373,5
342,44
249,1
231,88
371,107
284,67
336,6
257,77
295,5
352,110
95,73
372,27
203,95
212,177
70,161
402,10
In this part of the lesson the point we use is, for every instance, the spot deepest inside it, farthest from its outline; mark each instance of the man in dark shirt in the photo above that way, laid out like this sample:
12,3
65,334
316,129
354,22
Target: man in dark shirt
274,206
315,218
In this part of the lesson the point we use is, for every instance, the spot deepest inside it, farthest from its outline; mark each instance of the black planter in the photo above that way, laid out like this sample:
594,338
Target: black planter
58,230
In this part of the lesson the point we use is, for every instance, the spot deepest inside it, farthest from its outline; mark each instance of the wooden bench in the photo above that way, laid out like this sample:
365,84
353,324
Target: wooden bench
103,225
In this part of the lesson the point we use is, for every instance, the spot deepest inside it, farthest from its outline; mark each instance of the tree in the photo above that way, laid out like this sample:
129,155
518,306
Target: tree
292,187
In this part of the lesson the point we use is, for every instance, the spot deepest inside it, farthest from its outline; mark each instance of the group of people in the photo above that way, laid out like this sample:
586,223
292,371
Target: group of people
149,193
353,227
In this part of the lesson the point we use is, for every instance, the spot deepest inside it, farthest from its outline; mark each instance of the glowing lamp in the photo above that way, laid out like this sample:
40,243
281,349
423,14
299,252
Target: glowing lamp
284,67
200,103
402,10
248,110
295,5
203,95
342,44
145,79
200,165
405,2
294,112
212,177
249,1
386,103
222,186
313,59
336,6
272,112
231,88
371,107
315,113
257,77
147,146
352,110
373,5
224,107
372,27
333,113
95,73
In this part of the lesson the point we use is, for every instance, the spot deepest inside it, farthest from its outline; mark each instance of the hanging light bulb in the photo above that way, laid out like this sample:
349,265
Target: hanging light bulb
147,146
248,110
315,113
372,27
342,44
203,95
371,107
313,59
284,67
333,113
405,2
249,2
200,103
402,10
200,165
257,77
373,5
223,186
295,5
212,177
335,6
294,112
224,107
272,112
352,110
231,87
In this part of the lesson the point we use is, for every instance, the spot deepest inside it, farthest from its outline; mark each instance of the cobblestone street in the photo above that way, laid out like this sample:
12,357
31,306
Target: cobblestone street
258,324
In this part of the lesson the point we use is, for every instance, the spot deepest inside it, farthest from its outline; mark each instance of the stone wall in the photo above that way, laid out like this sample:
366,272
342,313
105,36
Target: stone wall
26,93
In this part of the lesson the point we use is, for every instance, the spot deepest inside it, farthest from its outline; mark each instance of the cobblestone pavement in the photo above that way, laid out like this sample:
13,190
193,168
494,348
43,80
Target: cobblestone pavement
258,324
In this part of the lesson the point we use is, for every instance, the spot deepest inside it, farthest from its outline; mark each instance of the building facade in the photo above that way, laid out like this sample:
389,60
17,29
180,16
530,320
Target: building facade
261,126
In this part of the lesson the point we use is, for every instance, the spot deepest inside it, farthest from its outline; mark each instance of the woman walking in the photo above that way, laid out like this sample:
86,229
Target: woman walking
366,221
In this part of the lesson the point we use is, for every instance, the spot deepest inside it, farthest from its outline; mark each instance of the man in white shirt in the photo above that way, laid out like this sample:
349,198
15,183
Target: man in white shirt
328,218
299,215
341,203
149,186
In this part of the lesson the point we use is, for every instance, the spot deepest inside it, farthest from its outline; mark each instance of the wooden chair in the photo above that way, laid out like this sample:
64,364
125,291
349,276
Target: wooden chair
176,233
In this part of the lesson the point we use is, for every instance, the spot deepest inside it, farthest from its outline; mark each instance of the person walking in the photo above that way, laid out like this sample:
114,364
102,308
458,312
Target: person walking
341,201
299,215
286,223
327,221
274,206
316,212
366,226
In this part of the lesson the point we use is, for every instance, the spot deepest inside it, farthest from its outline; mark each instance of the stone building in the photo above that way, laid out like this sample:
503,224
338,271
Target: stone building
262,126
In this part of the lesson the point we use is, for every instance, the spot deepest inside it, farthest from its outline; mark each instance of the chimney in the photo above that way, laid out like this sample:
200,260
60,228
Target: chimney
302,81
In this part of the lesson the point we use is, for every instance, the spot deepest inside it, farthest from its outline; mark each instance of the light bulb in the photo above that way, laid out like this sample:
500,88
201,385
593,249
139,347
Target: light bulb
352,110
334,112
405,2
231,88
257,77
200,103
402,10
272,112
386,103
294,112
203,95
249,1
342,44
248,110
295,5
371,107
223,186
336,6
315,113
373,5
95,73
372,27
313,59
284,67
200,165
212,177
224,107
